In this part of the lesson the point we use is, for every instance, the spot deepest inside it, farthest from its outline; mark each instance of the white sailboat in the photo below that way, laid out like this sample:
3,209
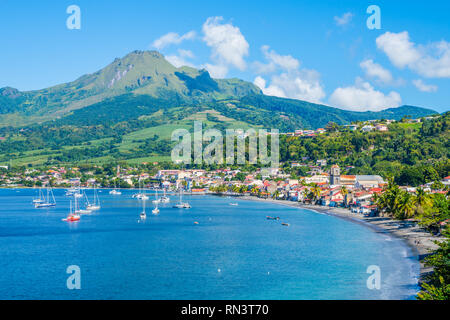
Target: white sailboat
96,204
143,215
78,210
141,195
155,211
41,198
164,198
156,197
181,204
114,191
47,203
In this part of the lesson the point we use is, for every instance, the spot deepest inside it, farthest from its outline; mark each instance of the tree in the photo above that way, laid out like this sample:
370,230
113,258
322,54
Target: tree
316,192
344,192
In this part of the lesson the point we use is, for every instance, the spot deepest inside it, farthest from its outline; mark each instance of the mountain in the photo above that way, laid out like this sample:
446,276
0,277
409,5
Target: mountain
147,75
138,73
128,110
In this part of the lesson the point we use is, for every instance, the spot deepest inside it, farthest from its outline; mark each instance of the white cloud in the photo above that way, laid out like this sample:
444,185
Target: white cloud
216,71
363,97
292,82
186,53
422,86
228,45
180,59
374,70
344,19
172,38
275,61
300,84
431,61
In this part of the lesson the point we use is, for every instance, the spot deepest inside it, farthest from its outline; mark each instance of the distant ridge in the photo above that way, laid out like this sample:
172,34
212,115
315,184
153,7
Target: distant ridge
144,76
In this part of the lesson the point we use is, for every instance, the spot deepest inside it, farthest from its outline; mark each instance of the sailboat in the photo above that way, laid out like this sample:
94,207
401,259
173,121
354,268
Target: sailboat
78,210
115,192
78,193
181,204
141,195
41,197
155,211
46,203
164,198
156,197
143,215
72,217
96,204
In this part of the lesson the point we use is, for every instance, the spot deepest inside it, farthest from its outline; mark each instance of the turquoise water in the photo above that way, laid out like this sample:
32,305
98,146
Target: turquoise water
232,253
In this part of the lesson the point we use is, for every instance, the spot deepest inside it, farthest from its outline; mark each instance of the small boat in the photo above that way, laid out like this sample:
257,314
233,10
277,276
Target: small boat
234,204
156,201
143,215
164,198
115,192
72,217
195,222
285,224
46,201
78,210
96,205
41,198
70,192
272,218
181,204
155,211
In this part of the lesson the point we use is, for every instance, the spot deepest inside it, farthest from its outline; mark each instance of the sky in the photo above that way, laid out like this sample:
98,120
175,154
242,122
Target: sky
318,51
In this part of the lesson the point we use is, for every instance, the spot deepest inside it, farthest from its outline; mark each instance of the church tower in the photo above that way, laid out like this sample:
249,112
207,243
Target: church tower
335,175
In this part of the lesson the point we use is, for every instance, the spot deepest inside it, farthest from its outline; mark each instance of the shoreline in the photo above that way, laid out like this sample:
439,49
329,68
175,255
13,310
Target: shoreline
415,237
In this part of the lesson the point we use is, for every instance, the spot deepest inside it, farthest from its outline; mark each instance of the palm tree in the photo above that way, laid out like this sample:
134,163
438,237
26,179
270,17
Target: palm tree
305,194
406,207
344,192
276,194
316,192
422,197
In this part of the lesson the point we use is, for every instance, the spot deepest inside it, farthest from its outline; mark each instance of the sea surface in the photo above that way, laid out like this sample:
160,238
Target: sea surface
233,252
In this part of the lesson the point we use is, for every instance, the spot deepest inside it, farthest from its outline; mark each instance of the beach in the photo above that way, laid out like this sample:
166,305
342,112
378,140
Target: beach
418,239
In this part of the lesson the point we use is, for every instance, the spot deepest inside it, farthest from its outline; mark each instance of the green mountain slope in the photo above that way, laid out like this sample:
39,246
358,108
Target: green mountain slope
129,109
139,73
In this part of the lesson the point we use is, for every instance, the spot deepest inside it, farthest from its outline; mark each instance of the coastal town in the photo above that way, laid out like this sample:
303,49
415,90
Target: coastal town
323,185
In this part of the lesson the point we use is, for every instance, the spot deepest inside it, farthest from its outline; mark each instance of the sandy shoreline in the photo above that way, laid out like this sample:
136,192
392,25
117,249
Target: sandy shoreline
418,239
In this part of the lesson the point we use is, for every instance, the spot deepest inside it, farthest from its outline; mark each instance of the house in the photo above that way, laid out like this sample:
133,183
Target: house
320,130
167,174
381,127
446,181
368,181
367,128
348,180
351,127
321,162
318,178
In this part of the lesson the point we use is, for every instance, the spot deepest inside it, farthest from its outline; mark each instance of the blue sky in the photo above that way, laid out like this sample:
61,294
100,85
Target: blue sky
320,51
